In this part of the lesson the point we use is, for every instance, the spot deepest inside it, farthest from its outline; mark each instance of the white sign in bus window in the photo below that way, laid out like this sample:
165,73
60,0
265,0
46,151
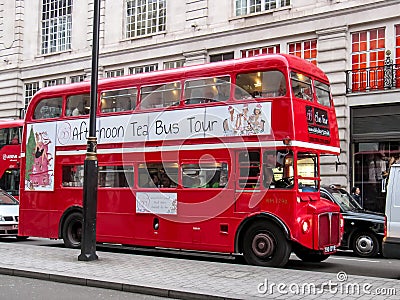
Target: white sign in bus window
156,203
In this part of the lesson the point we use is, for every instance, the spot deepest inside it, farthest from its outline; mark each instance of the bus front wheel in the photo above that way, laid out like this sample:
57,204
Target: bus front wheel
72,230
266,245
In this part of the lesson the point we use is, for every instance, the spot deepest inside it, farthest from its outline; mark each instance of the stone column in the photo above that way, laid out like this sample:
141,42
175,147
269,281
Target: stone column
332,58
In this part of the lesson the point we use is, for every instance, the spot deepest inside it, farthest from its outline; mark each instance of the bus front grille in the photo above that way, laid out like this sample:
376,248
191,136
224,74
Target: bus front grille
328,229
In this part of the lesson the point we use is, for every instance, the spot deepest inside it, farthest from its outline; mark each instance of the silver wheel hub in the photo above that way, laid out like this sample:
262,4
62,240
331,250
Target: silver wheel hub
263,245
364,244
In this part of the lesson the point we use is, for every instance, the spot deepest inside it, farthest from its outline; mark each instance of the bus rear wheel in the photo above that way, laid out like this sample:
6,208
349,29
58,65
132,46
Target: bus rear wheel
72,230
266,245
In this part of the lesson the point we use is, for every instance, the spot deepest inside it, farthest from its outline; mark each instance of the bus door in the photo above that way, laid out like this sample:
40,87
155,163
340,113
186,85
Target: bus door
203,196
248,192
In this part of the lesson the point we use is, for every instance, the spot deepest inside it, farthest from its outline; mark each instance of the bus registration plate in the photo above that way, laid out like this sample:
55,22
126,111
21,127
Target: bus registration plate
330,249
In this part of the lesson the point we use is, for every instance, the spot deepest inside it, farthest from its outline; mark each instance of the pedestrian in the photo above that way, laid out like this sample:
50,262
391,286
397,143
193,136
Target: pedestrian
356,194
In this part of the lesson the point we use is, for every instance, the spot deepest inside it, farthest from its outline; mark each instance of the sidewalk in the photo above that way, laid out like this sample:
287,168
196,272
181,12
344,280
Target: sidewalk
186,279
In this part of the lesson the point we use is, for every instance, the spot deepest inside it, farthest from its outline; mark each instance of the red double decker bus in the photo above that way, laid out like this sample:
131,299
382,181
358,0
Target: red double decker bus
222,157
10,150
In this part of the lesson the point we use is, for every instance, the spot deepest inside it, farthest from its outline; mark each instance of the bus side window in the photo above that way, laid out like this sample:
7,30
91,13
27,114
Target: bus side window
301,86
48,108
78,105
211,89
264,84
72,176
205,175
115,176
118,100
162,95
249,169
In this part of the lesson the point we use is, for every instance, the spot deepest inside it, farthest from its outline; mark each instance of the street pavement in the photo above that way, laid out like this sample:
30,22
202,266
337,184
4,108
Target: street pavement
187,279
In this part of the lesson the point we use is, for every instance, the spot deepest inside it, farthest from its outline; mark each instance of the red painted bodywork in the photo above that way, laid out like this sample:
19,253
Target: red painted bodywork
222,211
10,153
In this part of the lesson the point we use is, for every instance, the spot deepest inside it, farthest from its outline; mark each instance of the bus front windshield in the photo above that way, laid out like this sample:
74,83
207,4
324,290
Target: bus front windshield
307,172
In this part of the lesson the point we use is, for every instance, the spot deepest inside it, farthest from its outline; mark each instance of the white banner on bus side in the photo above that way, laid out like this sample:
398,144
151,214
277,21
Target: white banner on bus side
157,203
218,121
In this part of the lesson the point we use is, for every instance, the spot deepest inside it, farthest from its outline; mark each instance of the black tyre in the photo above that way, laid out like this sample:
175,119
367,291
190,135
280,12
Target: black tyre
310,256
365,244
266,245
22,238
72,230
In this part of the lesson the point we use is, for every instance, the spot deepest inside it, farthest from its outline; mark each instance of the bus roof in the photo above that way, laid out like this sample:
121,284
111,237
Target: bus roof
7,123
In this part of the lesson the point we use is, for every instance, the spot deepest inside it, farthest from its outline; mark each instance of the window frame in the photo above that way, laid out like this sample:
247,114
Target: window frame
56,26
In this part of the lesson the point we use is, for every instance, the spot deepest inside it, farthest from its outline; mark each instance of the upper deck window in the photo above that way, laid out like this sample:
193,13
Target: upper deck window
78,105
207,90
48,108
161,95
118,100
301,86
323,93
260,84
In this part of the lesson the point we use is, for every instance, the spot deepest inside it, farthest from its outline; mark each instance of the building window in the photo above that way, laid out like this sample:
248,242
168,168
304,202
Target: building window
56,25
115,73
221,56
305,49
368,59
244,7
30,90
258,51
145,17
78,78
143,69
53,82
174,64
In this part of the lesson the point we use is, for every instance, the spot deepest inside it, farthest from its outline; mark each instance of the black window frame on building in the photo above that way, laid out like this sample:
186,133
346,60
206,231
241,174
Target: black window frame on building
222,56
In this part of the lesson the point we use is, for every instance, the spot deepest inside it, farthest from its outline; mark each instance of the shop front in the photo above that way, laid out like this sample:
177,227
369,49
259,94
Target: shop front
375,146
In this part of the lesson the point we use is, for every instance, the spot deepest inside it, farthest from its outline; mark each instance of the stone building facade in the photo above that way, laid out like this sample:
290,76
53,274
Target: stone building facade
47,42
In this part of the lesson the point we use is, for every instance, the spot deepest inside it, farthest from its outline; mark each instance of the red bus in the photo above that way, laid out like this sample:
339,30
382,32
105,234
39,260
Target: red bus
222,157
10,150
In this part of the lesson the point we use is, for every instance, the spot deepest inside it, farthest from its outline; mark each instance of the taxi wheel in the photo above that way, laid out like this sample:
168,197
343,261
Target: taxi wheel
365,244
266,245
72,230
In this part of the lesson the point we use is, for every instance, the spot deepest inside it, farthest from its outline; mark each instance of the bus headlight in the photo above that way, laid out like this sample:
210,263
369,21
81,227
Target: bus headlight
1,219
305,226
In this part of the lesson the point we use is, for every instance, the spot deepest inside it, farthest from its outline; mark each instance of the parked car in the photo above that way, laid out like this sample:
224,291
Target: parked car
9,215
363,230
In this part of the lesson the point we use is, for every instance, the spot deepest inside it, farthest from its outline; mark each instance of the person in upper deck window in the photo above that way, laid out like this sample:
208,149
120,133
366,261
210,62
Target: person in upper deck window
78,110
223,91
